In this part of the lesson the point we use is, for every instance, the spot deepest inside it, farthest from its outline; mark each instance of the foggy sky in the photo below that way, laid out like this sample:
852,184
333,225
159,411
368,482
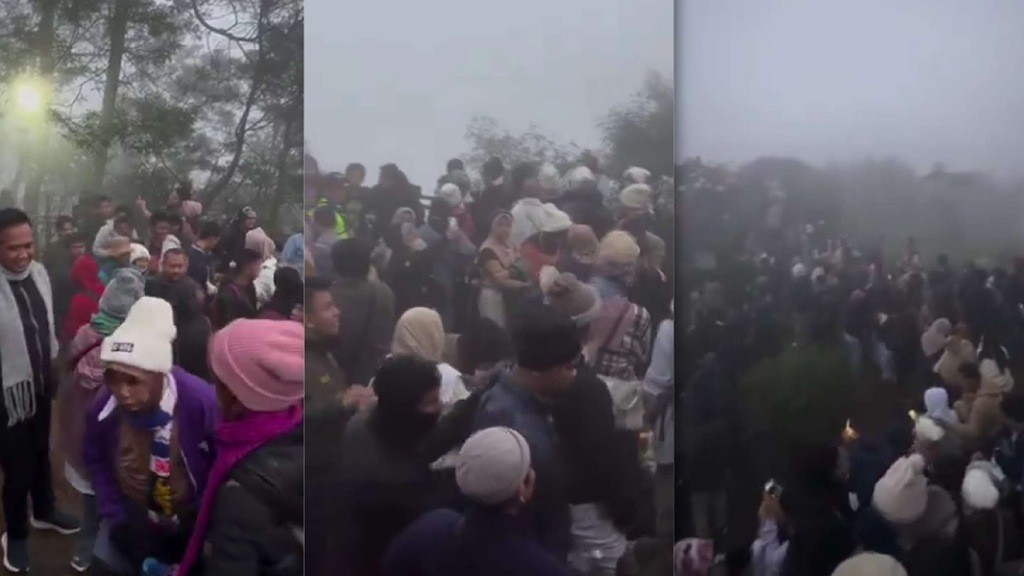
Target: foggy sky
398,81
924,80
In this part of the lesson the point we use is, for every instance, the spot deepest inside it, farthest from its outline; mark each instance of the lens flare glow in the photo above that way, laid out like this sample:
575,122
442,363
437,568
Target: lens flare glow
29,98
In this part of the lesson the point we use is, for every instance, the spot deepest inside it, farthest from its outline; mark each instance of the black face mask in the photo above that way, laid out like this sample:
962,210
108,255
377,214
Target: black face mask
405,428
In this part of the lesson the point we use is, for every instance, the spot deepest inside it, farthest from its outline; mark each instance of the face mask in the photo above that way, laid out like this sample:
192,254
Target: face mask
419,244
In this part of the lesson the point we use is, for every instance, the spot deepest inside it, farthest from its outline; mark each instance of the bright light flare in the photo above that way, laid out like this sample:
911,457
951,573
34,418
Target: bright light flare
29,98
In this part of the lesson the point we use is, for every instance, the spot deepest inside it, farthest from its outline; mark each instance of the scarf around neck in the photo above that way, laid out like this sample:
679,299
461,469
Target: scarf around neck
104,323
235,440
16,374
160,421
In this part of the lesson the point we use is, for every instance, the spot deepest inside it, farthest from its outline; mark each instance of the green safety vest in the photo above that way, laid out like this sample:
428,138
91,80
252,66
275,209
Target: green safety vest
340,225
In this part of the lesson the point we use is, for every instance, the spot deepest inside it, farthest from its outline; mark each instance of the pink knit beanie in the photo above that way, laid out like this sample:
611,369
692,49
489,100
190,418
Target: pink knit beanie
262,362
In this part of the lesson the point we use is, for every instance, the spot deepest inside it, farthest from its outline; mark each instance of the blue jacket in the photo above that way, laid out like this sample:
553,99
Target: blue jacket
445,543
510,405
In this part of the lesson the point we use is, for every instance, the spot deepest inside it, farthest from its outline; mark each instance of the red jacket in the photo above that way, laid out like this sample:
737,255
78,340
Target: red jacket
85,277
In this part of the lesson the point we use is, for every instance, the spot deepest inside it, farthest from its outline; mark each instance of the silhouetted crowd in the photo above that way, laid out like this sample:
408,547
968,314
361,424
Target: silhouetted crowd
489,372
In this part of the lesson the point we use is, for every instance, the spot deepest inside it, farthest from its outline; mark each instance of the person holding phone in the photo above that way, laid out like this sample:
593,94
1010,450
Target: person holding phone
769,550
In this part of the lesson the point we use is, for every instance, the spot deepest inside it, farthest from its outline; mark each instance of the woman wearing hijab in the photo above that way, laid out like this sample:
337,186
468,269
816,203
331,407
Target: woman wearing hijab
579,258
936,401
495,262
387,484
258,241
410,268
148,444
251,511
78,395
420,333
88,290
287,298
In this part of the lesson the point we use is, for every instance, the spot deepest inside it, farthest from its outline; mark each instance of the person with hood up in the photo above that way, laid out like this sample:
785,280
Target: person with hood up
494,473
78,395
495,260
237,295
579,258
547,246
911,506
148,444
420,333
936,402
385,483
583,202
528,211
88,291
251,512
139,256
453,195
394,191
286,303
232,242
451,253
620,336
258,241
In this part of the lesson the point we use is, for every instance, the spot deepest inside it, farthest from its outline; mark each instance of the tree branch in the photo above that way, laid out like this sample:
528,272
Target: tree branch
222,31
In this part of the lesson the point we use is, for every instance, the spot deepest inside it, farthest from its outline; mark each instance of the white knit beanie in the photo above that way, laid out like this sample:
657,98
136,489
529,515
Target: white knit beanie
549,178
980,488
579,176
554,220
144,339
636,175
170,243
139,251
870,564
901,496
636,196
451,194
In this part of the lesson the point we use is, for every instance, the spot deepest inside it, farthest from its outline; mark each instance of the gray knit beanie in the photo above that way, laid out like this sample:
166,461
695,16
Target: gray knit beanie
492,465
122,293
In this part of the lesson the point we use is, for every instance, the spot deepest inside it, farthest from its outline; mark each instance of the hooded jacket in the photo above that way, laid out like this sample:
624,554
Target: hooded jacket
88,290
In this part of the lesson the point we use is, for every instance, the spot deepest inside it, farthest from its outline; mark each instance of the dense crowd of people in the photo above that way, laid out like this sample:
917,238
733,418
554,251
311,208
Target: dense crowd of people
920,474
170,351
489,372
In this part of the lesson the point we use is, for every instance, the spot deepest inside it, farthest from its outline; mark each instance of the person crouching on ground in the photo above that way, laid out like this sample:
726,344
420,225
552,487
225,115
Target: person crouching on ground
148,444
494,473
251,512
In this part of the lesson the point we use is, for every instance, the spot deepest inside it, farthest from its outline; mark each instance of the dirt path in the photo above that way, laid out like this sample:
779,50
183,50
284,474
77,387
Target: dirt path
50,552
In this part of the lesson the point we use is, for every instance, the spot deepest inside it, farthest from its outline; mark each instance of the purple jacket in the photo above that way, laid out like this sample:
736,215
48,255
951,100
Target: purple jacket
195,420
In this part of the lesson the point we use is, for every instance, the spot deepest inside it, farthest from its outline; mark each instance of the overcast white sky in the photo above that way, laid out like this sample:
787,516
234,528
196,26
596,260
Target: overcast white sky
398,81
924,80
